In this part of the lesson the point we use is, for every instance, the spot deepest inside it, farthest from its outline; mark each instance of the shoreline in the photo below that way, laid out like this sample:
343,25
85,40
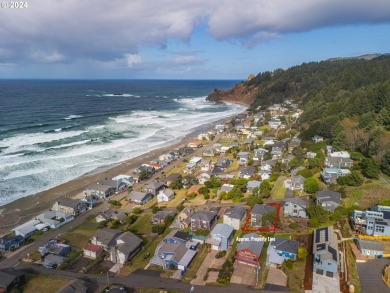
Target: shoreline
12,214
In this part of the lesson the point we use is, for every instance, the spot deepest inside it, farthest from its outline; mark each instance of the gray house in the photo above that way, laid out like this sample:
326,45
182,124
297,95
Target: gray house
154,187
247,172
282,249
235,217
100,191
203,220
326,255
369,247
139,197
338,162
328,199
295,183
257,213
295,207
220,237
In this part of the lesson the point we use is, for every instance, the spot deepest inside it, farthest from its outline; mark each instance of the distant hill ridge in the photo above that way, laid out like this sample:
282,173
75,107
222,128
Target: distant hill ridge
346,100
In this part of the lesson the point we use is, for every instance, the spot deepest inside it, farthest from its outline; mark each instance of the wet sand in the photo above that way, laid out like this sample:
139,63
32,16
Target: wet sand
23,209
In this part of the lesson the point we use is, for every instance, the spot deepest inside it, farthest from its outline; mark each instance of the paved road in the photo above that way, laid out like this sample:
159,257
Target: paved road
141,279
370,275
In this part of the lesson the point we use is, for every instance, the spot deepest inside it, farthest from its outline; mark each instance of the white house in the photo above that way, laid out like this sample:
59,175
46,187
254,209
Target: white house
206,165
235,217
203,177
165,195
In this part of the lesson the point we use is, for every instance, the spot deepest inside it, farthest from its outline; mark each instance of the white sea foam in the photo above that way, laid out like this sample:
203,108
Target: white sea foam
73,153
119,95
70,117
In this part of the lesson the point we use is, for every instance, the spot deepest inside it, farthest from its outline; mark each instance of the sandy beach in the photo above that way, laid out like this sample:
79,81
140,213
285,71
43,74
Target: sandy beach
23,209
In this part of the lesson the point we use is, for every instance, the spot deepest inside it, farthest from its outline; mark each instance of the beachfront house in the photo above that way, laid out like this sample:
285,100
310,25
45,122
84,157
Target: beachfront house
54,219
99,191
27,229
70,206
139,197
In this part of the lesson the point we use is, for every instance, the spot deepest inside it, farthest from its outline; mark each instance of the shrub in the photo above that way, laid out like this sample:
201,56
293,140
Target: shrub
220,254
293,225
155,209
159,229
137,211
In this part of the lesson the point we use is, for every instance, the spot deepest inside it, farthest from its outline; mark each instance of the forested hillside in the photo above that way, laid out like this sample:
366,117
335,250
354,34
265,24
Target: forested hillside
345,100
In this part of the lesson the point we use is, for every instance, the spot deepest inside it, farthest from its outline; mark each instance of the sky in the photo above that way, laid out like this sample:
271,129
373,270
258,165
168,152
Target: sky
184,39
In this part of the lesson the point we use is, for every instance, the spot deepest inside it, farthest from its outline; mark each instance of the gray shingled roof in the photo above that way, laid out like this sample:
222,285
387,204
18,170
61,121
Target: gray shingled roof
106,235
237,212
286,245
137,195
131,243
371,244
298,201
262,209
204,216
67,202
328,195
255,246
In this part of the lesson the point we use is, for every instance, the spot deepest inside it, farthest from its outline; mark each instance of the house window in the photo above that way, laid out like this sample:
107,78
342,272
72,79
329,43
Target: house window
380,229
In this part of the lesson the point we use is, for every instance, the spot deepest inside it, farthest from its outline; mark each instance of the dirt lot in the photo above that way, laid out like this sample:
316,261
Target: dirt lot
286,221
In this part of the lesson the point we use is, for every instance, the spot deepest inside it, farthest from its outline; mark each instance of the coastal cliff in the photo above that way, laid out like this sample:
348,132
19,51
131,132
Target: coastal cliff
241,93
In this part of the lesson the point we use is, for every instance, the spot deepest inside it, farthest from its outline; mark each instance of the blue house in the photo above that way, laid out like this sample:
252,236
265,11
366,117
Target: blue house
11,242
281,249
220,237
326,255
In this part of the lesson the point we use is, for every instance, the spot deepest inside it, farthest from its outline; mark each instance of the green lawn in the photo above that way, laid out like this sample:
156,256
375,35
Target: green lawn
44,283
142,225
80,235
295,276
353,198
278,190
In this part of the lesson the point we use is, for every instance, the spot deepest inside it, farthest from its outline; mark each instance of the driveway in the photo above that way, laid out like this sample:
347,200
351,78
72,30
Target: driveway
324,284
202,271
370,275
276,277
243,274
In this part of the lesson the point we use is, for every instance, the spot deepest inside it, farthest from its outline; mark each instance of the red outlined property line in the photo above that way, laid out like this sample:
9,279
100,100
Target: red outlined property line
245,229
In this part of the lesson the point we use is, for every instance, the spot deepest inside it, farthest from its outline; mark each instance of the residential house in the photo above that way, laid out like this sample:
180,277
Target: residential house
173,255
76,286
274,123
225,188
166,157
251,185
120,245
220,127
223,163
375,222
341,154
310,155
295,207
11,279
370,247
249,249
258,154
154,187
70,206
278,148
217,171
127,180
247,172
224,149
111,215
10,242
139,197
295,183
243,158
329,149
206,165
267,165
195,144
27,229
217,147
220,237
257,213
118,185
54,219
203,177
325,250
203,220
160,216
171,178
281,249
209,152
165,195
265,174
328,199
235,217
330,175
338,162
185,217
317,138
99,191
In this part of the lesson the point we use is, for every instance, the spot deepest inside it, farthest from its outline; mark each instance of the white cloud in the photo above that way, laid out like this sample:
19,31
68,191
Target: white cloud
108,30
133,59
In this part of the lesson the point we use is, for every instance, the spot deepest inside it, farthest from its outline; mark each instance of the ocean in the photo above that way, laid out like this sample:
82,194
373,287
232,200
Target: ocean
52,131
